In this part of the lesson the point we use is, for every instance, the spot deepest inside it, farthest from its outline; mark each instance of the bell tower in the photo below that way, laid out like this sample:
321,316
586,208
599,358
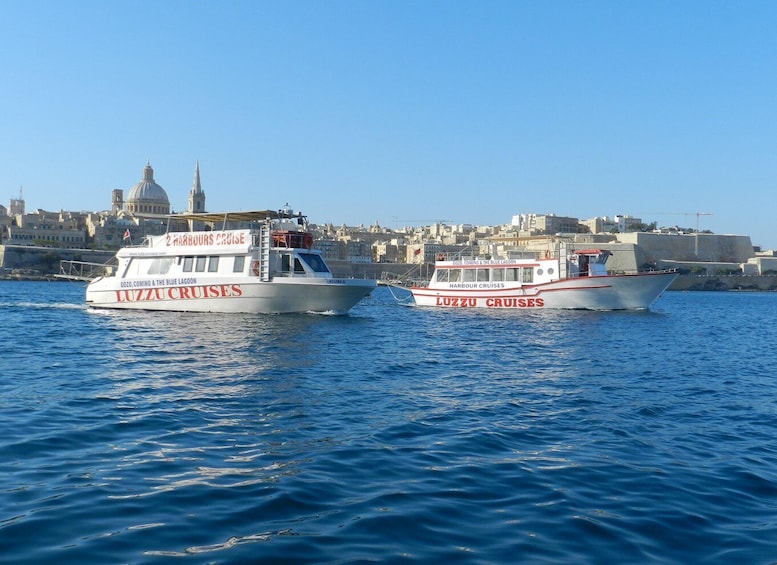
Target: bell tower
117,201
17,204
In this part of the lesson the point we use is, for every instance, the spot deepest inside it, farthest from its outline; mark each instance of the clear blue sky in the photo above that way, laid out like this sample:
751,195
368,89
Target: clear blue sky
399,111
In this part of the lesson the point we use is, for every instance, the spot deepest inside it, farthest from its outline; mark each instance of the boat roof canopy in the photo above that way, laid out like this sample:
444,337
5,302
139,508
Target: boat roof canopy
249,216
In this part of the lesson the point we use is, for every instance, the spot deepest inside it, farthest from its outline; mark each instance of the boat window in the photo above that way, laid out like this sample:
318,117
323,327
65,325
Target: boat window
132,268
213,264
482,275
442,275
497,274
511,275
239,264
528,275
285,263
315,262
298,268
187,264
455,275
199,265
468,275
160,265
539,272
550,270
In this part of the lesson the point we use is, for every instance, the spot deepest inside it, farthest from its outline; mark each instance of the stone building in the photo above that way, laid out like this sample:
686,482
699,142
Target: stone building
43,228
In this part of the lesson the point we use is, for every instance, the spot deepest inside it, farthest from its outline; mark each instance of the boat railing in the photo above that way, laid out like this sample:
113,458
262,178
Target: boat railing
461,255
84,270
469,254
292,239
611,272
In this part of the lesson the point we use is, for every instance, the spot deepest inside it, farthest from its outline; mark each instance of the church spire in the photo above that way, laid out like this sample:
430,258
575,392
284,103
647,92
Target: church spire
196,186
196,194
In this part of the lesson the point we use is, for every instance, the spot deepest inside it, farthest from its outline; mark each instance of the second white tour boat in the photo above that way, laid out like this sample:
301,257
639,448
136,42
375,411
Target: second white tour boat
266,265
574,280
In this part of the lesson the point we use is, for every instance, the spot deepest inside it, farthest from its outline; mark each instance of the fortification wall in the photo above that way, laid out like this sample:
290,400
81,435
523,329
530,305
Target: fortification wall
653,247
725,282
46,259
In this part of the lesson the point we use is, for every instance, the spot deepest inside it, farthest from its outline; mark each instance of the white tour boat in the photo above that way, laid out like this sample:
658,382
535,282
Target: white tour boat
267,266
574,280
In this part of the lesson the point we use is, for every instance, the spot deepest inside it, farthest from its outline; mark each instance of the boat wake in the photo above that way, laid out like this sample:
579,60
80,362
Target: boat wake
327,313
44,305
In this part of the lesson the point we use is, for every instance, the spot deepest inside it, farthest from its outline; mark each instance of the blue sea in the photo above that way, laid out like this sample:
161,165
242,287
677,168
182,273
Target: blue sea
392,434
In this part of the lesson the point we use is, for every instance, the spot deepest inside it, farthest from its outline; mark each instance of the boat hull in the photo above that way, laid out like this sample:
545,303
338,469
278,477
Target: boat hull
243,295
611,292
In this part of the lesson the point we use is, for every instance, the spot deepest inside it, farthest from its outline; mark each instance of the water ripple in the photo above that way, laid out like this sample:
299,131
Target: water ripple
394,433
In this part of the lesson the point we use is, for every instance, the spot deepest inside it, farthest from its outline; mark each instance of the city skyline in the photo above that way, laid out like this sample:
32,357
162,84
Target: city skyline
516,221
401,112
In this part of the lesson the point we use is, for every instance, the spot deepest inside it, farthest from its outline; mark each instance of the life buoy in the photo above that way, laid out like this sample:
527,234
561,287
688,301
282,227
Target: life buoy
255,268
307,241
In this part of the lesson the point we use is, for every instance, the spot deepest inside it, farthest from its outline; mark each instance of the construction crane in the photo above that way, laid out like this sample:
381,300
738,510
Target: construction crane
697,218
686,214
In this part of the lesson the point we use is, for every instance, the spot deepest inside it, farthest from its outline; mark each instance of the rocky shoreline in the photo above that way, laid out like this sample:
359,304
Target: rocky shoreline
29,277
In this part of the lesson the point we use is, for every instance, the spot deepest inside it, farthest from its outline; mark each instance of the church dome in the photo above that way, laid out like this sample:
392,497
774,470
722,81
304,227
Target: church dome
147,196
147,189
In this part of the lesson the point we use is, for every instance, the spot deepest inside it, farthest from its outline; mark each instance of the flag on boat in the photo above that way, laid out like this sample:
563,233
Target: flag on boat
126,234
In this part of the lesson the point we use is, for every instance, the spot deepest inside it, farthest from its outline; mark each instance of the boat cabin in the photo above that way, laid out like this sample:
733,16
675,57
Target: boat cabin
264,244
588,263
494,273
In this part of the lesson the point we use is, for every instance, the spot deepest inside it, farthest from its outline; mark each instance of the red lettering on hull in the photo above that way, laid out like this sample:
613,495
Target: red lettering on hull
179,293
456,302
515,303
